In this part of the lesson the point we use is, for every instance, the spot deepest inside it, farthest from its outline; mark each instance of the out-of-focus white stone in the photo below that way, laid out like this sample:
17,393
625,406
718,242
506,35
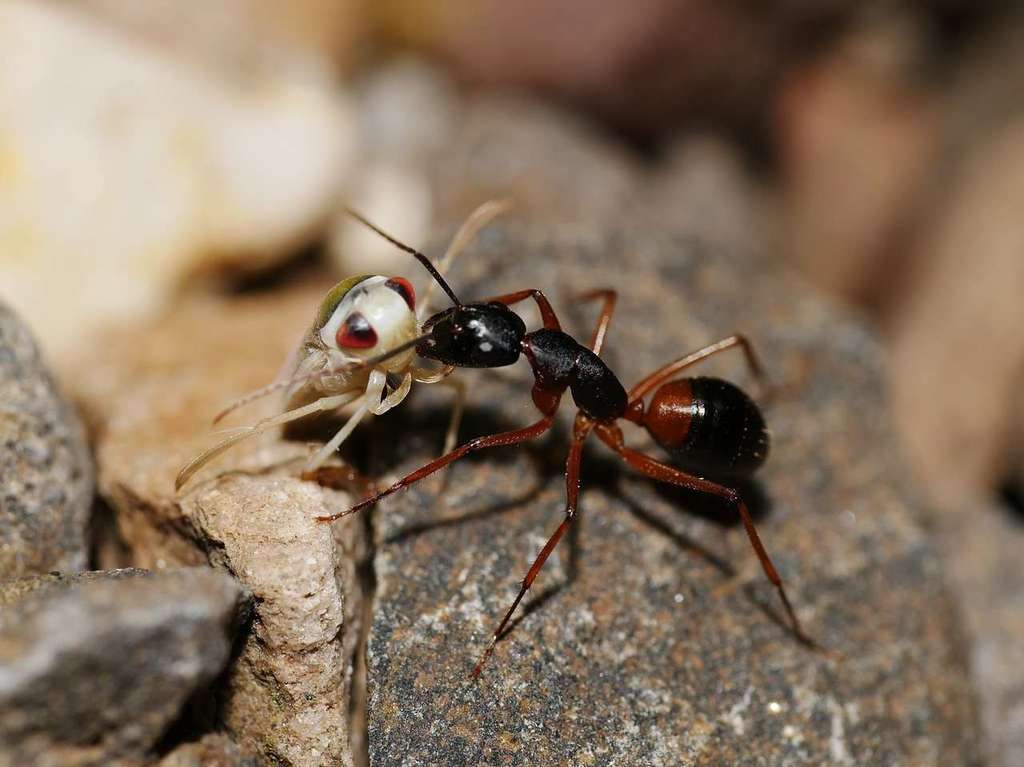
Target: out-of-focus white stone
397,199
406,114
123,169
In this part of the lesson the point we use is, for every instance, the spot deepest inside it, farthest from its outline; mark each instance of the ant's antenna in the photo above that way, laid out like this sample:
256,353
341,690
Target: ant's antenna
411,251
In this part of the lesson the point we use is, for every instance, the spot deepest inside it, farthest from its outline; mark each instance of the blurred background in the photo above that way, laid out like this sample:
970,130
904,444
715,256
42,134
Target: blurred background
151,147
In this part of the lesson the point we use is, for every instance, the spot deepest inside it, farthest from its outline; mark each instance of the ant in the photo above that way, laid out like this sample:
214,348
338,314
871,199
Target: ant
358,351
708,426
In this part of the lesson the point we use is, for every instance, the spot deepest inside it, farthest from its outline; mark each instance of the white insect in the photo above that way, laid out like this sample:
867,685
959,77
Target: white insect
361,318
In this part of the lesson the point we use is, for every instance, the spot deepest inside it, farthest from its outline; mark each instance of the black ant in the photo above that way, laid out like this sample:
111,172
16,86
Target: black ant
708,426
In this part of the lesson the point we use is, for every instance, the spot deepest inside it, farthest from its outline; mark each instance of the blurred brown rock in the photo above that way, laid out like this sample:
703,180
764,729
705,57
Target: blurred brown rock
957,332
982,544
858,131
648,65
46,472
150,392
429,153
95,669
633,648
550,163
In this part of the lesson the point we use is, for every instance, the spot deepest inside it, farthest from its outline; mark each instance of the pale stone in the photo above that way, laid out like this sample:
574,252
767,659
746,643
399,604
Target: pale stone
124,169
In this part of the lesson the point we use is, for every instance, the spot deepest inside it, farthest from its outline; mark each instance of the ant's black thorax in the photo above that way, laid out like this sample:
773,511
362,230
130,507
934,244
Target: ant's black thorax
492,335
559,362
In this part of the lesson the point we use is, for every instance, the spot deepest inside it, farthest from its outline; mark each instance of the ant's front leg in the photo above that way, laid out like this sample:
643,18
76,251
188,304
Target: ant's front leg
494,440
546,312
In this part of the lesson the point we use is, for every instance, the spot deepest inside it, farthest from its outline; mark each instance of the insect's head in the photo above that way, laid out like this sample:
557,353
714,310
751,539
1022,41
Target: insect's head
361,316
474,335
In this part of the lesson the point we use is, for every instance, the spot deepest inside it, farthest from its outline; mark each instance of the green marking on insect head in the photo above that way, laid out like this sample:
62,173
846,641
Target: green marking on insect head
335,296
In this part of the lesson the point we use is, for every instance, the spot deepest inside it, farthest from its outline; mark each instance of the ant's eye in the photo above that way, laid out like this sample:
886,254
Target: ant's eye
403,288
355,333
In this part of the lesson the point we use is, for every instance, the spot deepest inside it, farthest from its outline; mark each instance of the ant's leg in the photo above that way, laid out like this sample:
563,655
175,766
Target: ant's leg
546,312
666,372
609,296
581,429
324,403
476,221
494,440
612,436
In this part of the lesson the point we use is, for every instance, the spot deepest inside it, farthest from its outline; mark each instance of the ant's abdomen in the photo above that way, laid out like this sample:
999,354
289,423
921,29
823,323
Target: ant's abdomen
709,426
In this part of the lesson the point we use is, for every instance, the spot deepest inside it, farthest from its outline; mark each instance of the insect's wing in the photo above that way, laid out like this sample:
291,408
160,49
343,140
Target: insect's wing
307,359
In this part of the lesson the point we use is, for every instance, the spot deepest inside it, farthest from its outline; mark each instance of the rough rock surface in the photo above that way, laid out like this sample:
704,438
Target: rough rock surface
215,750
636,645
46,473
150,405
95,669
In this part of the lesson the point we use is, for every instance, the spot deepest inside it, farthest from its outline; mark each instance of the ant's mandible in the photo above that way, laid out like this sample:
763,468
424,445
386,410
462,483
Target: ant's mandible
708,426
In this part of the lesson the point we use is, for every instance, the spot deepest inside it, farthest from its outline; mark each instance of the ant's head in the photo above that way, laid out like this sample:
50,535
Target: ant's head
474,336
363,315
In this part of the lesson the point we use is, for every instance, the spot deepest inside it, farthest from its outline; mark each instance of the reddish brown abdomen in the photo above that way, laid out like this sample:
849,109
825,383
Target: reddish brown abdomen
709,426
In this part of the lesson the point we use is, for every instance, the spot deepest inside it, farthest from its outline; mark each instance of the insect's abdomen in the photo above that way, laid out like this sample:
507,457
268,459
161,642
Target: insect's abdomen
709,426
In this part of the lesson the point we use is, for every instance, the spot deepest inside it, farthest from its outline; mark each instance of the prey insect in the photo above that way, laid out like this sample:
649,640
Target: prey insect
714,433
359,352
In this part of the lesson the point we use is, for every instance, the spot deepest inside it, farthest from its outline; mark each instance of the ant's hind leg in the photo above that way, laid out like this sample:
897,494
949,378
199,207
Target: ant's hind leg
609,297
664,373
612,436
581,429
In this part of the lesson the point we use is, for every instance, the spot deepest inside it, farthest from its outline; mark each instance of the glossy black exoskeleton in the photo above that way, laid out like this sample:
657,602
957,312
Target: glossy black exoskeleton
709,426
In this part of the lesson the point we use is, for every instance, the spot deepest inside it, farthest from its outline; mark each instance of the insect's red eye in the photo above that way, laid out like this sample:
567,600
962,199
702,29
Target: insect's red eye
355,333
403,288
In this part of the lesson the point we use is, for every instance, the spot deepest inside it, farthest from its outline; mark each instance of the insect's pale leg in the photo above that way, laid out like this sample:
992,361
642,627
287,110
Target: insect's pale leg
324,403
374,389
325,452
572,494
458,407
394,398
476,221
425,376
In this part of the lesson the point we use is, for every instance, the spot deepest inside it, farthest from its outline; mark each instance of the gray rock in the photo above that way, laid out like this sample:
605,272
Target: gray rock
287,693
95,668
982,544
46,475
636,646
